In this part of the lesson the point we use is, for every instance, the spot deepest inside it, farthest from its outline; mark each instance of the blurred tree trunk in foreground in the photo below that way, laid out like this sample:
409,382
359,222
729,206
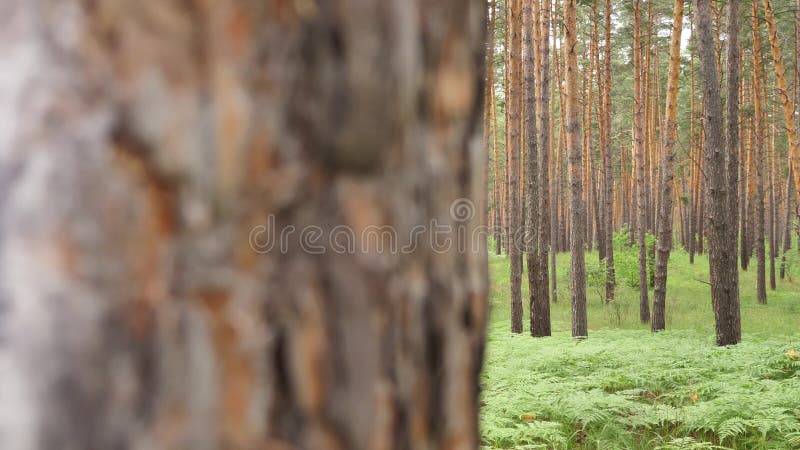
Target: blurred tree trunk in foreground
143,142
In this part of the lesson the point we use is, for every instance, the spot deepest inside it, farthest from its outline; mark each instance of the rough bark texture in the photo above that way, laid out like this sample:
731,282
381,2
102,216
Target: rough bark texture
639,150
545,220
577,214
539,310
514,103
143,142
668,132
720,253
733,61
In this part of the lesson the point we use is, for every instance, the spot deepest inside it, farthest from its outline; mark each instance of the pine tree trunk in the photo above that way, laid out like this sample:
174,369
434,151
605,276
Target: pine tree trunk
545,126
539,310
694,163
608,175
514,105
787,103
726,305
577,212
758,164
139,311
772,215
668,132
638,142
787,226
733,61
491,121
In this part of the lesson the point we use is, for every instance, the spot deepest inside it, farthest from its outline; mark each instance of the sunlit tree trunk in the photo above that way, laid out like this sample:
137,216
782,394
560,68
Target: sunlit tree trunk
724,301
668,132
787,103
514,105
147,142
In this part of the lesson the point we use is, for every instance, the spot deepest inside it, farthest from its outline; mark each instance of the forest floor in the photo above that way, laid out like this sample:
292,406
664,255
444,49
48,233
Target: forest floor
625,387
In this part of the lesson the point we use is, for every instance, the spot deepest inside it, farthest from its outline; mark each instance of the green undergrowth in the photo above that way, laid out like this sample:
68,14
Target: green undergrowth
625,387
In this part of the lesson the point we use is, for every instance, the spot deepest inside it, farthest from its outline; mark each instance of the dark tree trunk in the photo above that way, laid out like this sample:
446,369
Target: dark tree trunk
721,253
732,150
144,309
514,105
539,305
577,211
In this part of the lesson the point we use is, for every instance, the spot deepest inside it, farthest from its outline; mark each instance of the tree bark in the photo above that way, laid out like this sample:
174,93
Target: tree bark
545,206
758,163
724,301
787,226
139,313
608,174
772,215
539,305
514,105
491,122
732,141
639,150
577,212
668,132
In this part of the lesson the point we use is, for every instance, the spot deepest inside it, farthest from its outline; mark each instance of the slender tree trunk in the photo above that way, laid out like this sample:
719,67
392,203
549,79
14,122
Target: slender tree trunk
693,151
598,190
490,126
772,215
668,132
787,103
577,214
787,226
514,104
732,141
638,142
545,225
744,198
539,310
608,175
724,301
144,315
758,162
